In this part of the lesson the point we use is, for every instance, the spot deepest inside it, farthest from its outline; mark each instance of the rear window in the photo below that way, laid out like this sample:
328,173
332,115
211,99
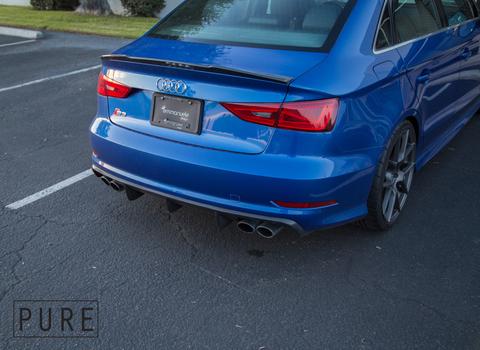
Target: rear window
307,24
458,11
416,18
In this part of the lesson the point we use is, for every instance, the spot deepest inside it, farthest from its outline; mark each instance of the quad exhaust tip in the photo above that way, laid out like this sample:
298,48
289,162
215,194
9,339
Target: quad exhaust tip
248,226
264,229
132,194
112,183
117,186
269,230
105,180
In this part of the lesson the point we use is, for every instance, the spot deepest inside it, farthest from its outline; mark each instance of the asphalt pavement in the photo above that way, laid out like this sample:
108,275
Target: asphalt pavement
174,281
7,40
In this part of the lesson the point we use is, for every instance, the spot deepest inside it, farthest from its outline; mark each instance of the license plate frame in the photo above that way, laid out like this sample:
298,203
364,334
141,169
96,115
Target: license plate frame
177,113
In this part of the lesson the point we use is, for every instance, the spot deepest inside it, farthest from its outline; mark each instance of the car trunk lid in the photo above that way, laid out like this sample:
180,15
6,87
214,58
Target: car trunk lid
212,74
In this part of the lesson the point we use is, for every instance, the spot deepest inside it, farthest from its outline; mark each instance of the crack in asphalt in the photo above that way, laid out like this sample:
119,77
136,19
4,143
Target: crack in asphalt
112,212
61,262
390,294
184,237
468,324
18,253
41,145
194,252
115,287
223,279
16,222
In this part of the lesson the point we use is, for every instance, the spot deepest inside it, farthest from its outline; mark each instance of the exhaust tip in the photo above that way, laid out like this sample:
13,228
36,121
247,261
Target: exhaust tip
116,186
247,226
265,232
105,180
268,230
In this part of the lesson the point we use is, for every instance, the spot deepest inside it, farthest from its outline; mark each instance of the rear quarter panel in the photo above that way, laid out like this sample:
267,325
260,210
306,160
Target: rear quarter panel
375,95
374,92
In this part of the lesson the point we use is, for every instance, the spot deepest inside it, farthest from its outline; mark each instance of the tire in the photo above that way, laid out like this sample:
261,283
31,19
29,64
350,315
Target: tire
393,180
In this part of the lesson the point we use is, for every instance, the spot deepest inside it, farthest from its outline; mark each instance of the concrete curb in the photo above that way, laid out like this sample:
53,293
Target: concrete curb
22,33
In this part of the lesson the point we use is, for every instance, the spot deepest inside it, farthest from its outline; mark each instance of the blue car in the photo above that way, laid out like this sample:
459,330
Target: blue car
288,113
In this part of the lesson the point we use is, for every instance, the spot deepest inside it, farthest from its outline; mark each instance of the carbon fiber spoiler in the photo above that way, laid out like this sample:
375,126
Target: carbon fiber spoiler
199,67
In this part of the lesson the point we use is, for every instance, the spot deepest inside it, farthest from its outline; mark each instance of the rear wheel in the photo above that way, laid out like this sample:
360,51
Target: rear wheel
393,180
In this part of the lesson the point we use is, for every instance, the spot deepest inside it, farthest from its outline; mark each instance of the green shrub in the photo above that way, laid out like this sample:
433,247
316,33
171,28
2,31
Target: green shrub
55,4
42,4
66,4
143,8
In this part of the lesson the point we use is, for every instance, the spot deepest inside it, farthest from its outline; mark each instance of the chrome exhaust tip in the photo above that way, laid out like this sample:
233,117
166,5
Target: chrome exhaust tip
247,226
117,186
269,230
105,180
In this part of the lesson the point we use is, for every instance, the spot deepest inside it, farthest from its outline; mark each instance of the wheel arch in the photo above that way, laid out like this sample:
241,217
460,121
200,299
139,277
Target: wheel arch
413,117
416,126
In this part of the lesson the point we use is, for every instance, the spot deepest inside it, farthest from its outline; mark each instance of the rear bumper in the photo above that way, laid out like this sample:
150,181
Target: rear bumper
236,213
237,184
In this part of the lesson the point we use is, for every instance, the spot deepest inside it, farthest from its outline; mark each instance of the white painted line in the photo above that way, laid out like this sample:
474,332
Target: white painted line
50,78
22,33
18,43
48,191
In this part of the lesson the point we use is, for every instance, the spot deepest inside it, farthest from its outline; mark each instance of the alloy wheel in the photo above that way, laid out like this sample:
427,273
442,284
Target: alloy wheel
399,176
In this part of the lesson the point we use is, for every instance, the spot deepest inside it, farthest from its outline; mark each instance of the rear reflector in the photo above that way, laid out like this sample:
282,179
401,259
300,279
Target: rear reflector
111,88
304,205
304,116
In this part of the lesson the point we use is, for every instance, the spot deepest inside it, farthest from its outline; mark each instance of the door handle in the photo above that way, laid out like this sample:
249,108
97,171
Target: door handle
466,54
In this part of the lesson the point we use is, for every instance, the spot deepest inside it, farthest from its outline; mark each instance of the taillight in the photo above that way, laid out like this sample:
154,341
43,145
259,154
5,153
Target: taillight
317,116
309,116
111,88
260,113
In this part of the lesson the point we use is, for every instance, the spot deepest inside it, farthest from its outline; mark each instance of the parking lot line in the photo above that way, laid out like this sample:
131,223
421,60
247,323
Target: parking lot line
50,78
18,43
48,191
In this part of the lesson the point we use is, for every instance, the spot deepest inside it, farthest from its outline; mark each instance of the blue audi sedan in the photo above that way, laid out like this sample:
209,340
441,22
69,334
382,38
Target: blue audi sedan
288,113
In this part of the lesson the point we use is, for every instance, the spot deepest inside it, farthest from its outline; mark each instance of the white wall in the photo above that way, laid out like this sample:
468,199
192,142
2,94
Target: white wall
115,5
169,6
117,8
15,2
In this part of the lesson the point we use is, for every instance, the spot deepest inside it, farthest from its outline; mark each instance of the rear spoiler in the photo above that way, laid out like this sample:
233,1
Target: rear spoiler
199,67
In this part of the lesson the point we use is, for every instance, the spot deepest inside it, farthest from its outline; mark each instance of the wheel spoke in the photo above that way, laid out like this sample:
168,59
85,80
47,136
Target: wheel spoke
395,153
386,199
410,148
391,206
409,167
403,145
398,204
408,181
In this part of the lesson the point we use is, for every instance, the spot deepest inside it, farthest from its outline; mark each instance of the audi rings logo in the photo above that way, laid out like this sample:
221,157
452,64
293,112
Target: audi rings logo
175,86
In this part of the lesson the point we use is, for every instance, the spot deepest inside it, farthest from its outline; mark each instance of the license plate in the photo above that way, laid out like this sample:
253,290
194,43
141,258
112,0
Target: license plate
177,113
